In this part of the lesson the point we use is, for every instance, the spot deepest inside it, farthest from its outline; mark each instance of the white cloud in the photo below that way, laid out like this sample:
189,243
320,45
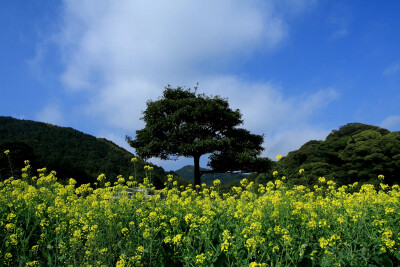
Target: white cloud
51,114
123,53
285,121
108,40
392,69
391,123
264,104
120,104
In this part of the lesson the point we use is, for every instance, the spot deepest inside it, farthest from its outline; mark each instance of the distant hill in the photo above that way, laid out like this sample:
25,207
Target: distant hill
187,173
354,153
67,151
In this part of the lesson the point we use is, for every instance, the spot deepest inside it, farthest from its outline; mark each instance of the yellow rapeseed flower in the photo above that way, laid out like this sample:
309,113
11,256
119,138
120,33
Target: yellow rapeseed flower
101,177
173,221
32,264
11,216
200,258
177,239
167,239
323,243
146,233
13,240
148,167
103,251
124,231
140,249
244,182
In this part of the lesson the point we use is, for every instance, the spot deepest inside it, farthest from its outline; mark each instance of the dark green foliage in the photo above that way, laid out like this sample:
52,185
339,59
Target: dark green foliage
19,152
187,173
354,153
183,123
71,153
240,153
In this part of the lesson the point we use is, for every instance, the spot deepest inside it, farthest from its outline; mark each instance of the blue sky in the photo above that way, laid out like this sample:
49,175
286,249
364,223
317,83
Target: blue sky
296,69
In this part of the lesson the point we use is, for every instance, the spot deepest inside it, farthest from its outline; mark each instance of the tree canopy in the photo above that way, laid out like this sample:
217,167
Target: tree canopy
355,153
184,123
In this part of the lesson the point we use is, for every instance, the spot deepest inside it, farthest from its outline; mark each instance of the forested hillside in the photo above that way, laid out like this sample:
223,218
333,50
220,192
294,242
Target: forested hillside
354,153
69,152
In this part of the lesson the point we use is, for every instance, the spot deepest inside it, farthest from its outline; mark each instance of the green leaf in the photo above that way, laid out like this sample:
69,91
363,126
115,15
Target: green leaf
221,261
383,260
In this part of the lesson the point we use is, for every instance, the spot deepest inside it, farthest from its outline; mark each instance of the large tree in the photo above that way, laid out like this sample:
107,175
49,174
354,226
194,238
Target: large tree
184,123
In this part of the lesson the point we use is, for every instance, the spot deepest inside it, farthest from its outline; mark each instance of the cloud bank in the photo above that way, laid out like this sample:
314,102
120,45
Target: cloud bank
285,120
122,53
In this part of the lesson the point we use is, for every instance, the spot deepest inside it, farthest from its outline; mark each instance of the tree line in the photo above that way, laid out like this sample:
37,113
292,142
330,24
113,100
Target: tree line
184,123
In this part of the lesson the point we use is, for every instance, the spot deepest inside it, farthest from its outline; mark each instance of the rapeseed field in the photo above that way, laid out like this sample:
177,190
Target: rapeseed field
46,223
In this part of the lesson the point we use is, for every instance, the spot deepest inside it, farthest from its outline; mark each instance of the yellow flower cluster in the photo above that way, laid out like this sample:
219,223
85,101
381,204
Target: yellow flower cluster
148,167
217,182
101,177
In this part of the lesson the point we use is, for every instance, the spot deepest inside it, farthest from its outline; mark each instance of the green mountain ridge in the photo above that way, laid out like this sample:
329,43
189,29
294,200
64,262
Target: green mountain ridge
71,153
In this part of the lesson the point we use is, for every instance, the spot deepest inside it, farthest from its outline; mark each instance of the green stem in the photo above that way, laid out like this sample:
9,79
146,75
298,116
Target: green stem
9,164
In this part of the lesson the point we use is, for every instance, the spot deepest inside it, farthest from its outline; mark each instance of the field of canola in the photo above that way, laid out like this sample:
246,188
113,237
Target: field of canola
45,223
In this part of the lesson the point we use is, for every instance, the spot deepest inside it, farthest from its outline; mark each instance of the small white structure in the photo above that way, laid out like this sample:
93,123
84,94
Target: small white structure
130,191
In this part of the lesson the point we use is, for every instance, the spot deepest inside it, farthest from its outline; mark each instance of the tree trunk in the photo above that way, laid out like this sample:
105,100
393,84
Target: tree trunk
197,180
